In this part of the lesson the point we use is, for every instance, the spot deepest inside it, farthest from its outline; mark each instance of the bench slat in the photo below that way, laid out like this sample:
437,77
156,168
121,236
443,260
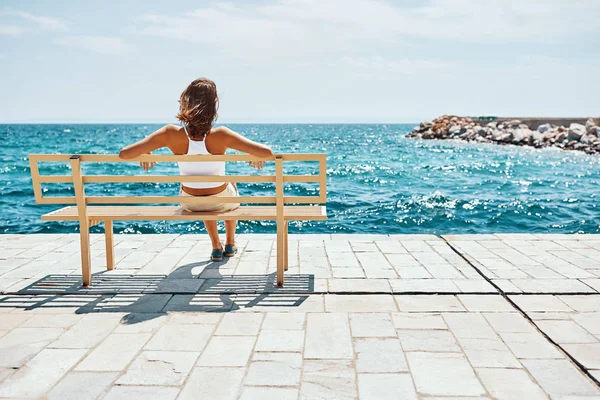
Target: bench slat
160,213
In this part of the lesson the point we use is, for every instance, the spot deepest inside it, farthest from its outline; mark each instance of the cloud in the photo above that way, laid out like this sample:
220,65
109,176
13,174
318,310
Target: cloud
98,44
289,26
11,30
20,22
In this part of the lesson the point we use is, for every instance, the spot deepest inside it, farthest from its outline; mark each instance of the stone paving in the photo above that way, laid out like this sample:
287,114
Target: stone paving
361,316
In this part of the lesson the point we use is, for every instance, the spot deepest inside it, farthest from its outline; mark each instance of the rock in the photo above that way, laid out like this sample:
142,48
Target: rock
588,139
543,128
595,130
560,136
590,123
576,131
426,125
505,137
428,134
537,136
455,130
521,136
514,123
492,125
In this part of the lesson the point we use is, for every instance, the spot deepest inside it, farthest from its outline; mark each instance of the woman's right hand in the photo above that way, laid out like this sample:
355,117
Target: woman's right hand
257,164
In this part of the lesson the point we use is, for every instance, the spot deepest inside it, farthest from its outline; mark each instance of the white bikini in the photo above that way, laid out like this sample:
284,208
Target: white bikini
205,168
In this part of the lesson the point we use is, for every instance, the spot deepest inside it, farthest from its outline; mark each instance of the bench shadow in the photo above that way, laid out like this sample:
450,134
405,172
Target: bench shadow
194,287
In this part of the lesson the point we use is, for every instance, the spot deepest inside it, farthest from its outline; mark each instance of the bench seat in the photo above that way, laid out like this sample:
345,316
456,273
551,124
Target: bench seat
161,213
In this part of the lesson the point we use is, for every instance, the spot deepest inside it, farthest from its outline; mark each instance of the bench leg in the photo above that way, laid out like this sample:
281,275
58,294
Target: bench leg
108,238
285,247
280,252
86,260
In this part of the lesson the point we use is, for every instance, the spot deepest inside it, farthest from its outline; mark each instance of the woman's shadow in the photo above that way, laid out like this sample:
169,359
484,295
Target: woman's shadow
201,286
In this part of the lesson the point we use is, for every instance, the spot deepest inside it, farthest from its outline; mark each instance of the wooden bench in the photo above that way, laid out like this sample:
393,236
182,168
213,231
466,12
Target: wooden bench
92,210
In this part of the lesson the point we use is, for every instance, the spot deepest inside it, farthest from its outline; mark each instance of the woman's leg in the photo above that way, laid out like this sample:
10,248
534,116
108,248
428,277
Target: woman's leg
213,233
230,226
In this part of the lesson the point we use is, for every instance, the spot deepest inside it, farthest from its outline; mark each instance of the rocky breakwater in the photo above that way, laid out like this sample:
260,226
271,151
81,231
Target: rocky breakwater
574,137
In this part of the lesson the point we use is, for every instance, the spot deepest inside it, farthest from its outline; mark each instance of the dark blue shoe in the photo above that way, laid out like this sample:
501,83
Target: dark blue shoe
230,250
216,255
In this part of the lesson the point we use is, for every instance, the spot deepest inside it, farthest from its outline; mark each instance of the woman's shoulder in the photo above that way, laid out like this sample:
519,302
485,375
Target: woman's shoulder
221,131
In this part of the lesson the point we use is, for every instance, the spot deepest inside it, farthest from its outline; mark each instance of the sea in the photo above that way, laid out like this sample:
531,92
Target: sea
378,181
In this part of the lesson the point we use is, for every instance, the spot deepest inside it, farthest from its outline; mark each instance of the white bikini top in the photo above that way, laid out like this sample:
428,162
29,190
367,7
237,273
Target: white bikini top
200,168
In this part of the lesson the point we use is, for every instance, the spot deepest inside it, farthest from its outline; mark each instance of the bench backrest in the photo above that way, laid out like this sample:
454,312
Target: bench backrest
79,180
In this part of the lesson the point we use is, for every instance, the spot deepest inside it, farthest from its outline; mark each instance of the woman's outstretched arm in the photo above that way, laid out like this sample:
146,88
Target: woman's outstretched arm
152,142
234,140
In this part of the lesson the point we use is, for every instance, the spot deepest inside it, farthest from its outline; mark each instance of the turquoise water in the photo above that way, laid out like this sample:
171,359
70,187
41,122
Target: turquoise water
378,181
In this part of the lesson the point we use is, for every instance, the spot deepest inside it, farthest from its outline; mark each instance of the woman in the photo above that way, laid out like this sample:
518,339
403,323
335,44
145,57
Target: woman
198,112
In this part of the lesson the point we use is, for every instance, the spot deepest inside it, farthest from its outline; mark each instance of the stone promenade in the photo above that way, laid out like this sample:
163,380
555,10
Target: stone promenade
504,316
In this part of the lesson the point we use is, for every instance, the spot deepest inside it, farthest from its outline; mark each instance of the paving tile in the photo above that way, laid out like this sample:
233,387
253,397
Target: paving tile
487,303
12,320
429,303
21,344
566,332
269,393
42,372
114,353
560,378
328,379
274,369
199,303
162,368
443,374
379,355
587,354
424,286
227,351
425,340
372,325
582,303
173,337
386,386
141,392
194,318
141,323
469,325
5,373
552,286
70,387
530,345
359,285
545,303
510,384
589,321
328,337
64,321
474,286
87,332
290,321
488,353
509,323
239,324
177,286
280,340
405,320
213,383
360,303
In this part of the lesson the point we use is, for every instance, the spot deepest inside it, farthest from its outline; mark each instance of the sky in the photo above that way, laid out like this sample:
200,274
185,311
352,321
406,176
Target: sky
299,61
